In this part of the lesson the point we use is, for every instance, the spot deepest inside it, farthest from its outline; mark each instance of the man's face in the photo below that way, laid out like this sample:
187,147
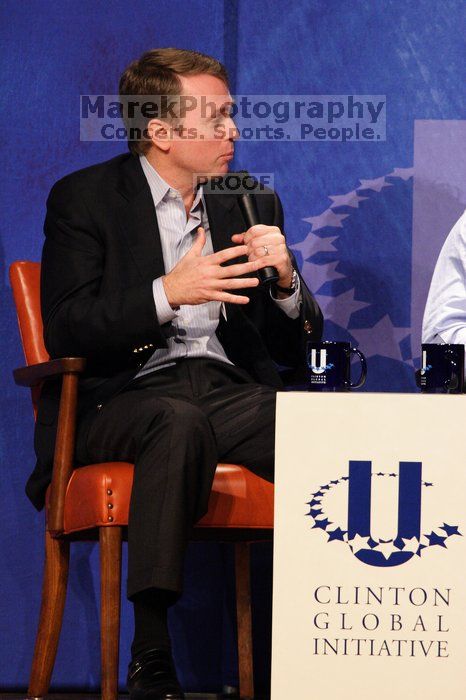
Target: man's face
204,142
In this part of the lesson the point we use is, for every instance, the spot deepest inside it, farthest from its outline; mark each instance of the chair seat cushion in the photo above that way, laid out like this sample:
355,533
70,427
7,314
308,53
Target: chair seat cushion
99,494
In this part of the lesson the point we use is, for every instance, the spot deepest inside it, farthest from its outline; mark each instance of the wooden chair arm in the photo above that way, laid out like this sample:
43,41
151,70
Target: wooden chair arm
63,460
69,368
35,374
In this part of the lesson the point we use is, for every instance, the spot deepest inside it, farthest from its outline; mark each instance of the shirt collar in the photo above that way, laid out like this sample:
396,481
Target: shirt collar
161,189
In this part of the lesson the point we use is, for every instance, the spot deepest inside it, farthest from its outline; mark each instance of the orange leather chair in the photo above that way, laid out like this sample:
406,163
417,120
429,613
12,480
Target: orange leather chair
92,503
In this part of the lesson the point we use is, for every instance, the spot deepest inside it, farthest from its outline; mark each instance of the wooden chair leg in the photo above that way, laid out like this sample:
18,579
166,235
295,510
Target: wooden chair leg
54,585
244,619
110,589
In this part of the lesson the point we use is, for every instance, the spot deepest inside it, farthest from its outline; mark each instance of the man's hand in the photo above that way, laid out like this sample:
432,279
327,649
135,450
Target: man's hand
197,279
267,242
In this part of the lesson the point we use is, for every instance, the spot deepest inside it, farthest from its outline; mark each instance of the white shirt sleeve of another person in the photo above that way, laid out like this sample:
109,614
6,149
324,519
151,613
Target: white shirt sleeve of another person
445,312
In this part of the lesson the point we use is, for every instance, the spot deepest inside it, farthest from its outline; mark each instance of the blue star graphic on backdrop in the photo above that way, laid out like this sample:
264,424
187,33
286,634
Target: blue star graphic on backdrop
326,270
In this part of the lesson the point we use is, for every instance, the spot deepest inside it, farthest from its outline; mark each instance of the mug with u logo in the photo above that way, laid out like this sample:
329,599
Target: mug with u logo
442,369
329,366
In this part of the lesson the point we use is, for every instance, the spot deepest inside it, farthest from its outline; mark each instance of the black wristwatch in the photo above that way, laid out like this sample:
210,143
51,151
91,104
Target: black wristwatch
294,284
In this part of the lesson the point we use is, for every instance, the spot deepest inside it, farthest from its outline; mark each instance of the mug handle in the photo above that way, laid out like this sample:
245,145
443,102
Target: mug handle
363,375
452,383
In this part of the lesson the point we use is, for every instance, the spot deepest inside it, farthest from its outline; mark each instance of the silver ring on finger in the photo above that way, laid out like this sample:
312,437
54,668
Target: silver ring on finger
266,250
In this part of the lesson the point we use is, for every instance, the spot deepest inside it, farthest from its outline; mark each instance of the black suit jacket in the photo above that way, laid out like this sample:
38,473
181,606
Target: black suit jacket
101,253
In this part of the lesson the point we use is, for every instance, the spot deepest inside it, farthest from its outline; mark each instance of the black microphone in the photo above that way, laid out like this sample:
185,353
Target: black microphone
248,206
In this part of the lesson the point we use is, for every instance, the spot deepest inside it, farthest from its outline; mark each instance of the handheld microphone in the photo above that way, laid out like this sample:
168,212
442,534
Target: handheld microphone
267,275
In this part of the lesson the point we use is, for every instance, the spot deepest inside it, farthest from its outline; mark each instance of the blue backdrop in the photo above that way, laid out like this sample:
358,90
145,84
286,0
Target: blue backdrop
349,217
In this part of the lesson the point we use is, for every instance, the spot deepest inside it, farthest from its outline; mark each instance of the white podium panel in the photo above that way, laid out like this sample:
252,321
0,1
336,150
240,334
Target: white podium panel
369,596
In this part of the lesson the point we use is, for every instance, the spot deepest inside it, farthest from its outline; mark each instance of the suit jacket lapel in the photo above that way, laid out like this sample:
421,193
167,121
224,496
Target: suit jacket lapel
139,226
225,219
138,220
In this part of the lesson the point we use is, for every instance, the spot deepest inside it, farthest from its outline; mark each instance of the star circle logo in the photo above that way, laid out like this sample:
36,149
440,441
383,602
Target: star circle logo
327,504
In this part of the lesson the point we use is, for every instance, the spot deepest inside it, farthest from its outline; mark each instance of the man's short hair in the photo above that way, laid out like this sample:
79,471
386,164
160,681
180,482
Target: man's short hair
156,73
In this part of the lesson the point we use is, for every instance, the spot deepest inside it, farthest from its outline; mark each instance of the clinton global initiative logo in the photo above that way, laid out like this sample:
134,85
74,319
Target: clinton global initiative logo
353,494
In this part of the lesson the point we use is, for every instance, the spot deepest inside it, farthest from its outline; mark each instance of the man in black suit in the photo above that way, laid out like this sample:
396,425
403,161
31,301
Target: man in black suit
155,283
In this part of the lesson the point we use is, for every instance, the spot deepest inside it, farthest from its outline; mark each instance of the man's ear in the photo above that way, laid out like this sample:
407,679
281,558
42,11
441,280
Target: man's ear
160,134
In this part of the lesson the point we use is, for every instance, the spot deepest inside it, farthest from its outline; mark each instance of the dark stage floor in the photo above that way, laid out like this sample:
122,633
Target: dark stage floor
93,696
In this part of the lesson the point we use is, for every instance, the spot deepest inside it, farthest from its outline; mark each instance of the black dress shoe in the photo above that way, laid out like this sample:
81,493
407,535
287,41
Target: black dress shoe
152,676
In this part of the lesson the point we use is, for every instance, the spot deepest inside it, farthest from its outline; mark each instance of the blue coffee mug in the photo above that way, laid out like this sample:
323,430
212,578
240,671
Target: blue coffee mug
442,368
329,366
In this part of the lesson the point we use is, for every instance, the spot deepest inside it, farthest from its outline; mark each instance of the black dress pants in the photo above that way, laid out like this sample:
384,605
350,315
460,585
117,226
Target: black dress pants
175,424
